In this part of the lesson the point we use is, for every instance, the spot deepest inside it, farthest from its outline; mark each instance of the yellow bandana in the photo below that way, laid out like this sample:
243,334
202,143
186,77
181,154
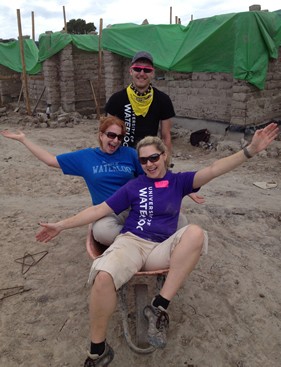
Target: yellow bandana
140,104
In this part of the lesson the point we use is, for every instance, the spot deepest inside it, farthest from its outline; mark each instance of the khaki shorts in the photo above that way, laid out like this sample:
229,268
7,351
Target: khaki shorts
130,254
106,229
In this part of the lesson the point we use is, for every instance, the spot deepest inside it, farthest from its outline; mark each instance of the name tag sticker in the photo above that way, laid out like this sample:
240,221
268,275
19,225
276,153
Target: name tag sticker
161,184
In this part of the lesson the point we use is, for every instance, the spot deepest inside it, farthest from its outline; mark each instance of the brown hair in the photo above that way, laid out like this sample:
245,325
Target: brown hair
105,122
159,145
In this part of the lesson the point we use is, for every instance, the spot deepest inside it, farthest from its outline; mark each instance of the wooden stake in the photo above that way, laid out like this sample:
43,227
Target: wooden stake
64,17
179,21
170,15
9,77
176,19
20,92
94,95
39,99
4,77
23,64
33,28
99,76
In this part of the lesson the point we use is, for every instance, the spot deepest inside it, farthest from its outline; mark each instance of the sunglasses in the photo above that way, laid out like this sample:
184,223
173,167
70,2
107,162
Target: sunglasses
152,158
113,136
145,69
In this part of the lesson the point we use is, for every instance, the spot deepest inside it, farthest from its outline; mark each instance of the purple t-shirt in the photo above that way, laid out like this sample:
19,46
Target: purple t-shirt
155,204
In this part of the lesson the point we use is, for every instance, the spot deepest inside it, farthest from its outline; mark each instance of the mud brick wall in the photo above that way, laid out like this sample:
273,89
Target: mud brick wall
208,95
52,82
199,95
66,74
203,95
36,86
114,73
9,88
251,106
86,68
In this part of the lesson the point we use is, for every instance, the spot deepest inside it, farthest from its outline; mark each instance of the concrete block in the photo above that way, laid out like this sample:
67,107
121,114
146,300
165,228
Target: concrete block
199,84
205,76
238,121
254,7
237,112
240,97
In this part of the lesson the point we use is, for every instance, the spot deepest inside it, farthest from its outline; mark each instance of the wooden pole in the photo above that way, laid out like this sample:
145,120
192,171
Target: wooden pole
9,77
99,76
191,16
179,21
39,99
33,27
64,17
23,64
20,92
176,19
94,95
170,15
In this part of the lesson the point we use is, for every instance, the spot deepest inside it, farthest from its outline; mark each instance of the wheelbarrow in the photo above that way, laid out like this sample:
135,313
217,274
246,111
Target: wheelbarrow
95,249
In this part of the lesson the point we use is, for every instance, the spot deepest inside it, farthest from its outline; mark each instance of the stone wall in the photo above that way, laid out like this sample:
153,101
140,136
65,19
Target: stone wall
252,106
9,88
198,95
86,68
66,78
208,95
115,72
36,86
52,82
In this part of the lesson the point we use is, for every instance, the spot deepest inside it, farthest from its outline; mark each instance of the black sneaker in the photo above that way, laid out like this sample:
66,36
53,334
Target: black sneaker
101,361
158,321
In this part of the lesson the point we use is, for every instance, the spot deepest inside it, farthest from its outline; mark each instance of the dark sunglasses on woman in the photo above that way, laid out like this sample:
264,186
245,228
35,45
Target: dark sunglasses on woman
152,158
111,135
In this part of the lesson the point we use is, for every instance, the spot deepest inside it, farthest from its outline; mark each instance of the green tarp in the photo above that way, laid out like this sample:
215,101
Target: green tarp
10,56
49,44
239,43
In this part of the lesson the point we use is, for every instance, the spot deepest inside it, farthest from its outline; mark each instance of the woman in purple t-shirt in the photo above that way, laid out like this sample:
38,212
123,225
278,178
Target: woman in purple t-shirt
149,240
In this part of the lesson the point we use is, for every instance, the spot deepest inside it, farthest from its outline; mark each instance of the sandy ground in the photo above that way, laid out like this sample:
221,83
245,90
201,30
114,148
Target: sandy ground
228,311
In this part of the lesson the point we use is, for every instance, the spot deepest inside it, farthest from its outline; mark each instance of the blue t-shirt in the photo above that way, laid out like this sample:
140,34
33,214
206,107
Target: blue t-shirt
103,173
155,204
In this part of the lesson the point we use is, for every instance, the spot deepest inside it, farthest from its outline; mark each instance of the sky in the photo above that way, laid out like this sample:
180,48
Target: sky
48,15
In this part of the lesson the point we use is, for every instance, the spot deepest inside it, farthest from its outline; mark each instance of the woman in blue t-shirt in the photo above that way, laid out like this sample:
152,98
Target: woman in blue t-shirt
104,169
149,239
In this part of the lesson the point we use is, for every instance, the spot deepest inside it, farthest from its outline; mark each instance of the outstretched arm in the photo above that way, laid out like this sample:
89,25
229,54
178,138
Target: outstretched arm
38,152
260,141
87,216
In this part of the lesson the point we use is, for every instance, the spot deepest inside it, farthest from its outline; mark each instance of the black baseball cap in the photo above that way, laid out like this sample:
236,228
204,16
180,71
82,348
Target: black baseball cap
142,55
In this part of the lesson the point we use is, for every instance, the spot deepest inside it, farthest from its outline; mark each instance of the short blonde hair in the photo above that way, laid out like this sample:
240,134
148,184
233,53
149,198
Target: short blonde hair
158,144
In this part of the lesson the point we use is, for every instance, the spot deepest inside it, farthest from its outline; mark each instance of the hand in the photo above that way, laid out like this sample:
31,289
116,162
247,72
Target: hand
263,138
9,135
198,199
50,231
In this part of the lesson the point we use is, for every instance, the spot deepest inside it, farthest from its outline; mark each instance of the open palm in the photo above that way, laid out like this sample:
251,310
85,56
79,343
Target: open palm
49,231
264,137
20,136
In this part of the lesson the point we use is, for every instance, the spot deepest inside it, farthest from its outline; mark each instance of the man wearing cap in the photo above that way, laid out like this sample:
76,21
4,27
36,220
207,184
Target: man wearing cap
142,106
